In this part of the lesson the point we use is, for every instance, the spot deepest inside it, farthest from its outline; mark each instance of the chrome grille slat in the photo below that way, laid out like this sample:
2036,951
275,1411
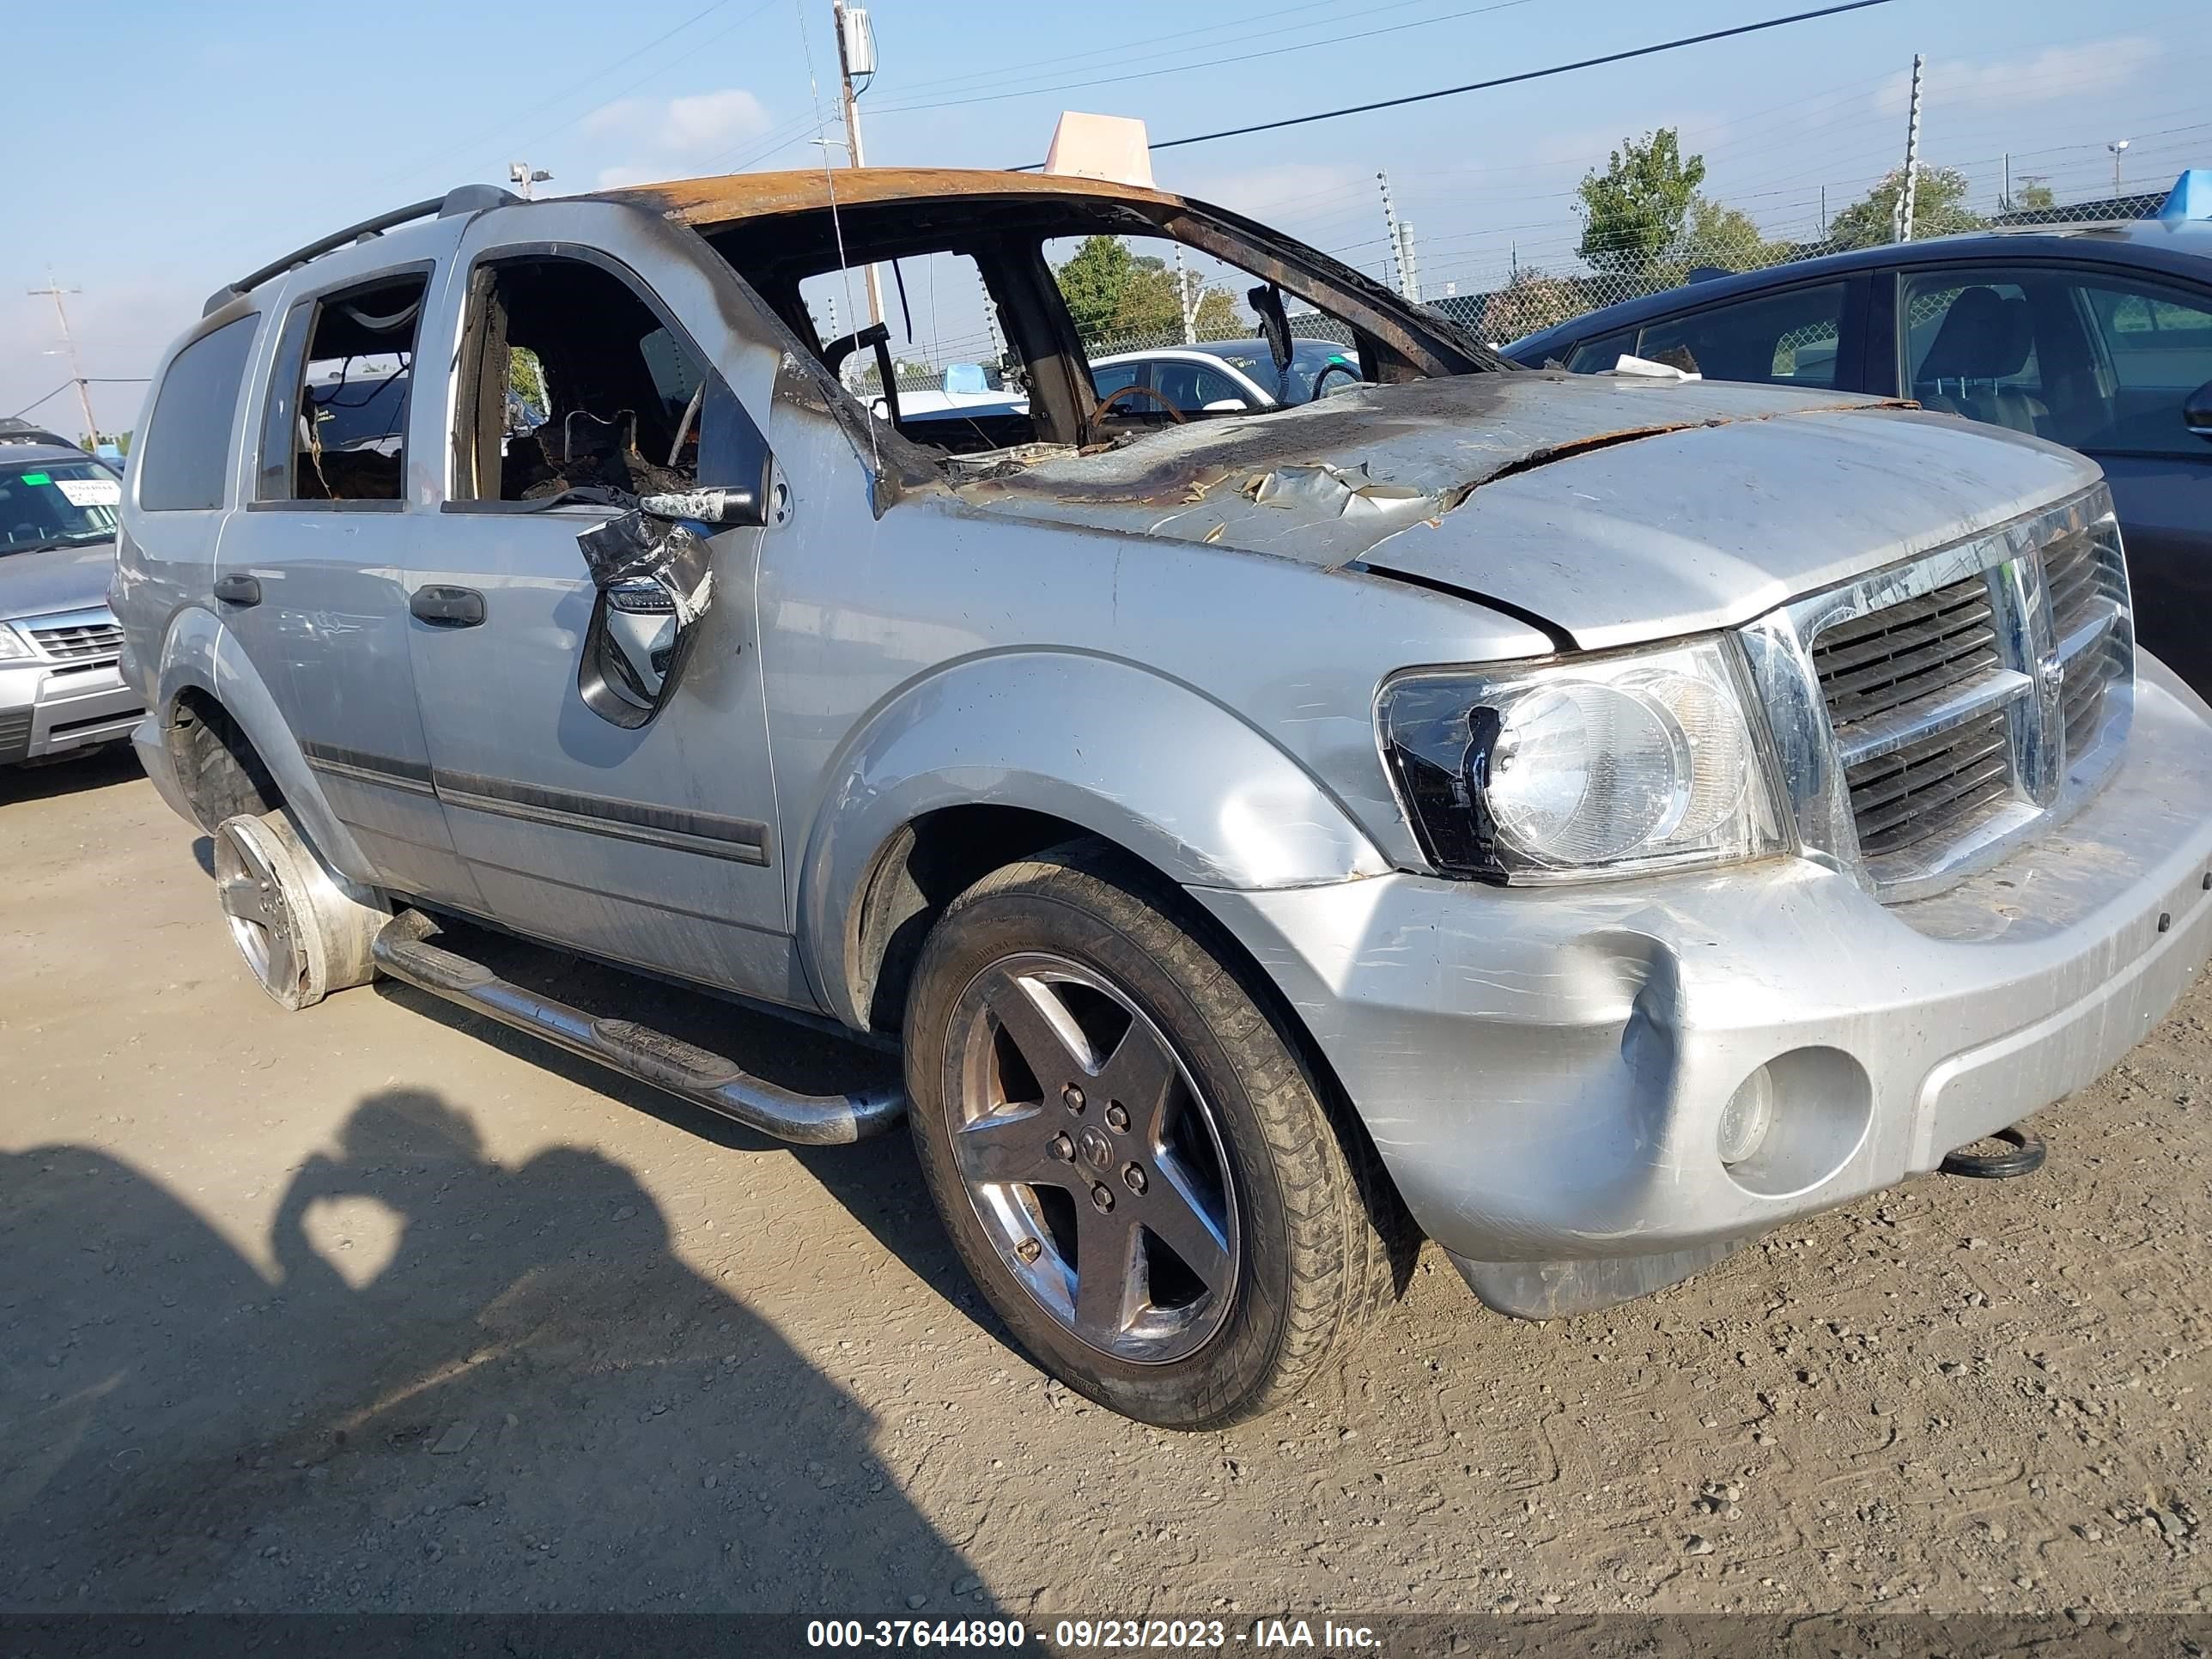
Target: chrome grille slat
78,642
1870,665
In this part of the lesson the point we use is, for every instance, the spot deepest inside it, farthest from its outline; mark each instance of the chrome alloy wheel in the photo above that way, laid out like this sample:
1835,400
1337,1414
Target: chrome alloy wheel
251,890
1092,1158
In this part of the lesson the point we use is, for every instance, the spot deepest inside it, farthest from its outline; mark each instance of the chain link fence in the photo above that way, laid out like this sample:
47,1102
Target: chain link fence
1529,298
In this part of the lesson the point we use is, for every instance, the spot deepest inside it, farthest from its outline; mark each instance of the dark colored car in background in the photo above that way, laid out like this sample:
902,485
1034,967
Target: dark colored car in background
2098,337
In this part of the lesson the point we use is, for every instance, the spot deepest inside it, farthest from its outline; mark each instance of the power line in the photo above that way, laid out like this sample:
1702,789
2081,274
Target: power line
1509,80
1212,62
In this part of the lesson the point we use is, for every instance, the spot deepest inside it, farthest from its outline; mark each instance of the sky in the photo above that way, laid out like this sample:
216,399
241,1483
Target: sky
176,147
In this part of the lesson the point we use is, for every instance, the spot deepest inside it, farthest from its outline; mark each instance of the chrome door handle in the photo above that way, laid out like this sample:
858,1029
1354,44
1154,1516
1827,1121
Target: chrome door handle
447,607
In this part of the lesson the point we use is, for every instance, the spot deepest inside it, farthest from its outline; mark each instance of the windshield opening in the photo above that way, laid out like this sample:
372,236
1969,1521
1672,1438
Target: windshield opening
47,504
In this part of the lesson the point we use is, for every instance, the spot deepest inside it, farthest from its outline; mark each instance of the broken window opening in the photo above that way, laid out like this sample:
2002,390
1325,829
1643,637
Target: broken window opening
571,380
336,425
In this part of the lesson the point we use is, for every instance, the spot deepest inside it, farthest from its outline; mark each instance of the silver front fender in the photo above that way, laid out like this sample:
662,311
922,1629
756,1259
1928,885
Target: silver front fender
1124,753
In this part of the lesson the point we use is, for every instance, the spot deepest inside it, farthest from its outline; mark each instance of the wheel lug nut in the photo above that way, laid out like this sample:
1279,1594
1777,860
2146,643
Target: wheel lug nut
1117,1116
1029,1249
1102,1196
1073,1097
1062,1148
1134,1174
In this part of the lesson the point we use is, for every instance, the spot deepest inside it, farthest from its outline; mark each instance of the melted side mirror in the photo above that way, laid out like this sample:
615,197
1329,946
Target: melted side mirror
655,581
2197,411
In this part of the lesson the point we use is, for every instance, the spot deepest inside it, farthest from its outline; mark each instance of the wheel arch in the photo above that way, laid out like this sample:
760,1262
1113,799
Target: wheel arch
996,756
210,703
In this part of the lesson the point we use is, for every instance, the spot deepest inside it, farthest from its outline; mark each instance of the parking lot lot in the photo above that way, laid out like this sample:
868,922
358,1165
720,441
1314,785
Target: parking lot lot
370,1307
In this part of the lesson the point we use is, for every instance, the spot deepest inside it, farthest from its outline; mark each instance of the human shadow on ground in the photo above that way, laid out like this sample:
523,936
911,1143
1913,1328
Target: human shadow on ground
531,1404
878,1182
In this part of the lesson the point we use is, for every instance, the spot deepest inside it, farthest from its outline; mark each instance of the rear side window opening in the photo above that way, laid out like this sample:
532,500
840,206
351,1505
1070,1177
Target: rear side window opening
184,459
336,425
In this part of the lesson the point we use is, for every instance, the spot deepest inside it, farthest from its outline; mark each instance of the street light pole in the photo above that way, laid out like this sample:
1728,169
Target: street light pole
69,348
2118,147
520,172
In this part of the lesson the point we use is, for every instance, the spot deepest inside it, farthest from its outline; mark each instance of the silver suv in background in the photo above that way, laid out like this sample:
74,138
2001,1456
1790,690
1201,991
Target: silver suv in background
1589,820
60,691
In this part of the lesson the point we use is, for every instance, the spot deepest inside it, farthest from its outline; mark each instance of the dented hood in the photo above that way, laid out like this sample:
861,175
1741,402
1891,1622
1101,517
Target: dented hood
1615,509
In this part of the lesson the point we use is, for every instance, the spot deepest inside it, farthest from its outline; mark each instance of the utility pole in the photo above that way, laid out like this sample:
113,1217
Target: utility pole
69,348
1824,213
2004,196
1908,198
1409,272
1183,299
1390,230
856,55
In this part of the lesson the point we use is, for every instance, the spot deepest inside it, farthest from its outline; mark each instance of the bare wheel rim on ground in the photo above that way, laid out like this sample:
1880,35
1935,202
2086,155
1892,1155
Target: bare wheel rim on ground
1094,1161
254,909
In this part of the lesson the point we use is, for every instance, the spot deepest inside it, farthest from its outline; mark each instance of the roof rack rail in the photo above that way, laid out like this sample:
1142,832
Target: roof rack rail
16,431
467,199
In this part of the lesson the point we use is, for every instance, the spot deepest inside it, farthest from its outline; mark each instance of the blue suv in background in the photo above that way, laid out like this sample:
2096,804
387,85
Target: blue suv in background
2097,338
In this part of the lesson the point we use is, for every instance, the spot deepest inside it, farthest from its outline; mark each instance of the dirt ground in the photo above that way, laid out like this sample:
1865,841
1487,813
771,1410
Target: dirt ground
375,1308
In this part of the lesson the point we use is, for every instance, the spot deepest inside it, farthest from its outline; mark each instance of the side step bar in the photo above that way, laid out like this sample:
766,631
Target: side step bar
404,949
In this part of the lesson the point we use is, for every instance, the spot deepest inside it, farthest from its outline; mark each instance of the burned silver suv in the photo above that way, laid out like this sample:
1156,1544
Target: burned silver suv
1588,821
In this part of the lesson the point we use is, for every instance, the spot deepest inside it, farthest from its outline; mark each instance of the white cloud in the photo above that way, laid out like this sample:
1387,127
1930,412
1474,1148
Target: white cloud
1272,193
712,120
662,138
2089,69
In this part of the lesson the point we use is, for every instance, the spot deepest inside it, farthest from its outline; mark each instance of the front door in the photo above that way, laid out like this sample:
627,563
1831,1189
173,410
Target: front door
2102,359
585,355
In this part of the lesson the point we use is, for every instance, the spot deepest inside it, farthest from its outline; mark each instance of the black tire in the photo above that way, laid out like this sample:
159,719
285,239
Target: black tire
1309,1262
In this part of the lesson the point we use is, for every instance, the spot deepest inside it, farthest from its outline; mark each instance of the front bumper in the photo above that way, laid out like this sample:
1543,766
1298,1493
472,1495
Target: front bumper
51,710
1544,1070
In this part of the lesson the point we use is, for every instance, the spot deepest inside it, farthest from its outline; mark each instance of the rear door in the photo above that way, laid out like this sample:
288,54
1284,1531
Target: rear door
2103,360
310,580
648,844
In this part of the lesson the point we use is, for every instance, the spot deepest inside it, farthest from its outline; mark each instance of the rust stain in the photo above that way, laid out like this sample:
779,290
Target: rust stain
726,197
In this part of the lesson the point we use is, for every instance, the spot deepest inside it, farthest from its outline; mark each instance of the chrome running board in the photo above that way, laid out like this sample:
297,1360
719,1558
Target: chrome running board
405,949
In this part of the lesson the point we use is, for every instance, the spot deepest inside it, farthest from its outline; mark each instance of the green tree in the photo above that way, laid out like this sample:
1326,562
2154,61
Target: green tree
1532,300
1938,209
1715,233
2033,198
1113,294
1633,212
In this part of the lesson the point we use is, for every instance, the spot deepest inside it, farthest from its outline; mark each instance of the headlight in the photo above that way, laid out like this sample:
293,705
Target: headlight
14,646
1642,760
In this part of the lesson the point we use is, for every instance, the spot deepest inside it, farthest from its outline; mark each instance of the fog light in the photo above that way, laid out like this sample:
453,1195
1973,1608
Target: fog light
1746,1117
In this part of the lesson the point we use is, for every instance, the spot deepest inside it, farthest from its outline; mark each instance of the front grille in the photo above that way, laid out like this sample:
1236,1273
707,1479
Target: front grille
1967,696
80,642
1881,673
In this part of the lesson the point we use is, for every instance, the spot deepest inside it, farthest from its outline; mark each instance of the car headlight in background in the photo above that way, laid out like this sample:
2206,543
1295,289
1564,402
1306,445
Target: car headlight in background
1639,760
14,648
